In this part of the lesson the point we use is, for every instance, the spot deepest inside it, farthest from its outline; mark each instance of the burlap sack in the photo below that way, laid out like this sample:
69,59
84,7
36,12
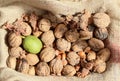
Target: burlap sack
12,9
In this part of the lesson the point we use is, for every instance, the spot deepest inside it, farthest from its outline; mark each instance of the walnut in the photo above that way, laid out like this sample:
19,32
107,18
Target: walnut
42,69
31,70
79,45
87,49
11,62
84,72
96,44
44,25
47,54
14,40
32,59
56,66
101,33
91,56
104,54
101,20
60,30
15,51
99,66
63,45
72,35
73,58
26,29
23,66
48,38
85,35
68,70
63,57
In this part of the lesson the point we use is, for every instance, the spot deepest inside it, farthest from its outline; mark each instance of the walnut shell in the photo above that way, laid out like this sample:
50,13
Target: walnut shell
72,35
63,45
68,70
14,40
27,30
91,55
48,38
32,59
60,30
44,25
73,58
85,35
56,66
23,66
101,20
31,70
85,72
96,44
101,33
42,69
15,51
104,54
99,66
47,54
11,62
79,45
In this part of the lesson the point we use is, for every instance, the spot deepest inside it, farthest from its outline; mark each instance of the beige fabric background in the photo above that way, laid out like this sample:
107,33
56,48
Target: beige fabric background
12,9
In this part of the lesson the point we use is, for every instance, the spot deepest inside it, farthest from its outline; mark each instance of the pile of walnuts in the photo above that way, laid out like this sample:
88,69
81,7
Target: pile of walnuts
73,46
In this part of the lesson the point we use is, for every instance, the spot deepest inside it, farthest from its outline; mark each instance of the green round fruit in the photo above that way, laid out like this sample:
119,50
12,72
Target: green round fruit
32,44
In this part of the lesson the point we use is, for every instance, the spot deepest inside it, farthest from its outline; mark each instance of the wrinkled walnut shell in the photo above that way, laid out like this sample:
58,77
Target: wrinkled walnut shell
23,66
60,30
14,40
99,66
73,58
48,38
91,56
101,33
42,69
27,30
47,54
44,25
72,35
56,66
96,44
85,35
15,51
32,59
79,45
68,70
63,45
